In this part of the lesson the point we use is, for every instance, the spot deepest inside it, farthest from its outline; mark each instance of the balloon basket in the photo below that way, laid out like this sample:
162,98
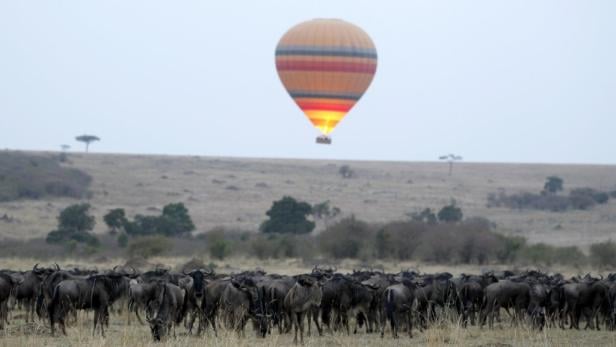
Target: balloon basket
324,140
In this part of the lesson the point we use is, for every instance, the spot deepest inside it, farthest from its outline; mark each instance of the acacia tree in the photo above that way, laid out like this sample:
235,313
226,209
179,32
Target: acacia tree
87,139
450,158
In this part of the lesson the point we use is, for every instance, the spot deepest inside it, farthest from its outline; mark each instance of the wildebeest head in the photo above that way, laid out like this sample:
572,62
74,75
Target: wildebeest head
199,276
158,328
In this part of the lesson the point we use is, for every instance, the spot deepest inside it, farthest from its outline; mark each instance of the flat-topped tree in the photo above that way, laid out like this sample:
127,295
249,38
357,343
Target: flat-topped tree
87,139
450,158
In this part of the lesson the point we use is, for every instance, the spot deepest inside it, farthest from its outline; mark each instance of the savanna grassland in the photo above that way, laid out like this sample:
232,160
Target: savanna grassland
235,192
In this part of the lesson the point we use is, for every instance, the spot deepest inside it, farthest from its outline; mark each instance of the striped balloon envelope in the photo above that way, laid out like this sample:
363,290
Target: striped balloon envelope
326,65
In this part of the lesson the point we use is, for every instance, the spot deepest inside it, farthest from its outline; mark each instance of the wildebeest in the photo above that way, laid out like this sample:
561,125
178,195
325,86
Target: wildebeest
398,302
242,300
300,300
168,307
96,292
7,285
505,294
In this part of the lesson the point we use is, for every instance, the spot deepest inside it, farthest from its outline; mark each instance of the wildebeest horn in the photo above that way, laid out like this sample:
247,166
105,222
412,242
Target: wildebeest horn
35,267
57,266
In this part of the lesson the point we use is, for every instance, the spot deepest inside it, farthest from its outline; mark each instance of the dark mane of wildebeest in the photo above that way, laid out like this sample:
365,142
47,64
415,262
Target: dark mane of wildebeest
96,292
302,299
168,307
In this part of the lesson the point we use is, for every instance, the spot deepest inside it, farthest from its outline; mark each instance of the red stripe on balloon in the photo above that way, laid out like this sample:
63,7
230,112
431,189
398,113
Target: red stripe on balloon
331,66
325,107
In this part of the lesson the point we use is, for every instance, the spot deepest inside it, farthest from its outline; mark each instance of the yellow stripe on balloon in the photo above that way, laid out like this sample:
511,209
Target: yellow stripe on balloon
325,121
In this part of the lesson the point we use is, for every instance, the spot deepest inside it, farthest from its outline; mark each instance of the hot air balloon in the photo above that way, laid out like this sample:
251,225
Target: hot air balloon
326,65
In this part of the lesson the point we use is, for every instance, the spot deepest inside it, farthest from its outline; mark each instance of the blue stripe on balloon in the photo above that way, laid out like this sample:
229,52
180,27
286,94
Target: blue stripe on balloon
329,51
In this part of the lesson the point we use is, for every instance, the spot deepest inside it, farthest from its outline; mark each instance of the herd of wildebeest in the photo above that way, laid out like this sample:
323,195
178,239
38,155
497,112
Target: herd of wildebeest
365,299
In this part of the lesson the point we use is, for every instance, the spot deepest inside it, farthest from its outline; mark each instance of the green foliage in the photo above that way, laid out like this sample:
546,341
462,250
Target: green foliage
149,246
115,219
603,254
288,216
174,221
122,240
177,218
346,239
220,249
74,223
76,217
553,184
450,213
425,216
24,176
323,210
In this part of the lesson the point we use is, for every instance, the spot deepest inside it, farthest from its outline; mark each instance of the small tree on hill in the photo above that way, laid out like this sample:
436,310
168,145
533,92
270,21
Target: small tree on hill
288,215
115,220
450,213
553,184
87,139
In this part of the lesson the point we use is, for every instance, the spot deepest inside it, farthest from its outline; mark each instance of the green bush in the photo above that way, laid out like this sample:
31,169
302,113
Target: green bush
149,246
603,254
174,221
219,249
122,240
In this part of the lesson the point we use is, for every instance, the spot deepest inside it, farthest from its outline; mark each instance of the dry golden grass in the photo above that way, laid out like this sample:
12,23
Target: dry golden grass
236,192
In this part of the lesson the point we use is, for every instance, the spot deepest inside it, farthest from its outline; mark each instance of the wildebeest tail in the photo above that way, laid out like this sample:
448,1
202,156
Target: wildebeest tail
53,305
184,309
389,304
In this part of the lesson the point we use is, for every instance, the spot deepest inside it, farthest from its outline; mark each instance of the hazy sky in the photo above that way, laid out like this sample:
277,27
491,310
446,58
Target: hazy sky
514,81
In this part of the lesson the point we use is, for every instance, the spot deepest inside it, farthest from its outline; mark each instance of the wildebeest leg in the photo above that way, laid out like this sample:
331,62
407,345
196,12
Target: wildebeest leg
95,322
301,326
383,323
315,317
295,324
409,318
394,328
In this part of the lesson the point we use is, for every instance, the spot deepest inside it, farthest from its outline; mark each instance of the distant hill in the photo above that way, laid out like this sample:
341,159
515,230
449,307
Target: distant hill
236,192
29,176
